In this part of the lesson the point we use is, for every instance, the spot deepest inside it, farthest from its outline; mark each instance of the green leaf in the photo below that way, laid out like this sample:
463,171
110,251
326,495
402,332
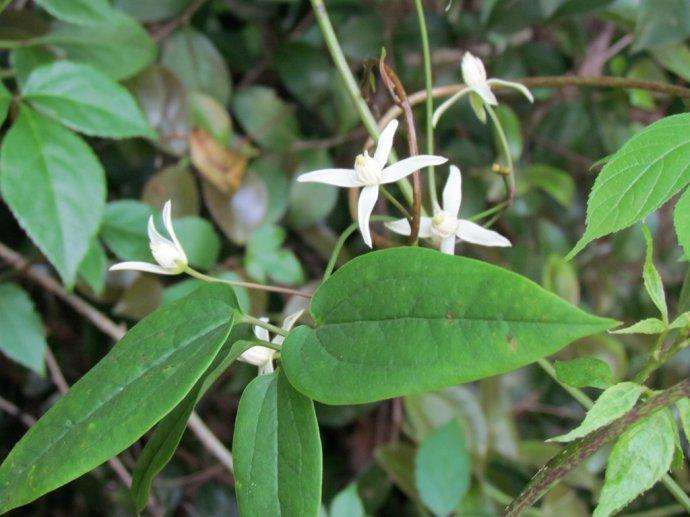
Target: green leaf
511,127
645,173
347,503
652,280
124,229
448,319
584,371
25,60
21,331
5,101
55,187
199,240
443,468
118,47
681,221
198,64
311,202
681,321
397,459
556,182
266,259
266,117
140,380
648,326
94,267
612,403
183,288
683,406
85,100
277,450
560,277
161,446
81,12
661,23
152,10
641,456
477,105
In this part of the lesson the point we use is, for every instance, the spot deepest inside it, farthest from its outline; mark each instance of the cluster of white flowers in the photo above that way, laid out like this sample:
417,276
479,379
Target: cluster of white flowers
262,356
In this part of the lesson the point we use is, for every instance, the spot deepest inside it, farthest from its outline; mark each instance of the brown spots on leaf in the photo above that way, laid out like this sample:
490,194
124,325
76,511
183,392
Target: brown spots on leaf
512,342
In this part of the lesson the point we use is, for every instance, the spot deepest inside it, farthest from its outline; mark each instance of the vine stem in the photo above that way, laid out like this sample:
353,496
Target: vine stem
341,65
428,83
246,318
509,178
668,481
249,285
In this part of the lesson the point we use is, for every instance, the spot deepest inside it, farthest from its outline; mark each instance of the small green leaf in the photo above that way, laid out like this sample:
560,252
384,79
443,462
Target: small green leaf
199,240
683,406
277,450
124,229
443,468
197,62
477,105
681,321
266,259
347,503
652,280
397,459
448,319
206,113
560,277
81,12
141,379
556,182
681,221
611,404
584,371
55,187
22,337
266,117
94,267
645,173
638,460
85,100
5,101
648,326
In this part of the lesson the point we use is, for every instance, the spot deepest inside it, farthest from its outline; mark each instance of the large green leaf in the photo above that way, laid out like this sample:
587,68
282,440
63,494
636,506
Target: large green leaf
277,450
681,220
409,320
443,468
645,173
638,460
21,331
142,378
82,12
86,100
55,187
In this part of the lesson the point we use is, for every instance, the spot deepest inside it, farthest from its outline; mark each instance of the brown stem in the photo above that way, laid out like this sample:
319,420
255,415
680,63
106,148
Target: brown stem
576,453
397,92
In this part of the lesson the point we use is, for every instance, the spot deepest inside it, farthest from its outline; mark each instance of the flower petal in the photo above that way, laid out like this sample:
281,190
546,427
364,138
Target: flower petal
367,200
385,143
402,227
155,237
337,177
484,91
141,266
260,332
471,232
452,192
167,222
448,103
517,86
407,166
288,322
473,71
257,355
448,245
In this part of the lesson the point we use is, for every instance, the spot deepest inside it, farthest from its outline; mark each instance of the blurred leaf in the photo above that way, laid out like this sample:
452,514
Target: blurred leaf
221,167
443,468
152,10
188,286
5,101
118,47
177,184
25,60
269,169
199,240
646,70
135,385
82,12
560,277
675,58
661,23
208,114
266,259
94,267
681,321
347,503
141,298
646,326
163,99
55,187
638,460
583,372
311,202
305,71
266,118
681,221
197,62
22,338
612,403
647,171
554,181
272,476
563,501
397,459
85,100
124,229
652,280
513,131
683,406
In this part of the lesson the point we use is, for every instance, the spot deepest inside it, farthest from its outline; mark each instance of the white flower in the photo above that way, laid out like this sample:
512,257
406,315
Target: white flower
370,172
445,226
474,76
169,254
262,356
